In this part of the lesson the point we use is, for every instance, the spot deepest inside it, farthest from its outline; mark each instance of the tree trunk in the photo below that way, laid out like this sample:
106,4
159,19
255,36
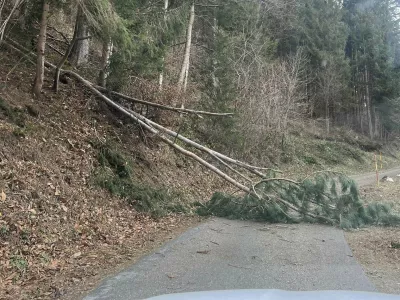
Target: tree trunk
369,104
185,82
41,44
60,65
3,25
214,60
186,58
161,76
80,51
105,62
376,123
327,114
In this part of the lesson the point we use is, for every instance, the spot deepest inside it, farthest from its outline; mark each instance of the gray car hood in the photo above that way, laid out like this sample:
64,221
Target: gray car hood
277,295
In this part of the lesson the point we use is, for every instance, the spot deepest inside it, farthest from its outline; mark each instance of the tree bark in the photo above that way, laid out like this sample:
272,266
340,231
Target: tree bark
80,52
105,62
214,60
186,58
369,104
63,60
161,76
60,64
185,82
38,83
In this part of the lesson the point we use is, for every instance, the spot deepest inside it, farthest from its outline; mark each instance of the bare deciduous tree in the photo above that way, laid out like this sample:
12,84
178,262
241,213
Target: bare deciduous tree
270,96
41,44
185,64
105,62
161,75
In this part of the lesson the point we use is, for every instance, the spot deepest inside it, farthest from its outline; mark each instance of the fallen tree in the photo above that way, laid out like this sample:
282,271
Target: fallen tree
175,109
328,197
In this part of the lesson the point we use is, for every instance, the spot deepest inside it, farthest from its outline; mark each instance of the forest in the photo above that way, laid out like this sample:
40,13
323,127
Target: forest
124,117
236,78
271,63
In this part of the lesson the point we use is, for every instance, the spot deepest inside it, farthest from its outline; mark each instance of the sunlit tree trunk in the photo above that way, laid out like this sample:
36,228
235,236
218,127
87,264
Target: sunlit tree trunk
161,76
186,79
41,44
186,58
105,62
214,60
80,51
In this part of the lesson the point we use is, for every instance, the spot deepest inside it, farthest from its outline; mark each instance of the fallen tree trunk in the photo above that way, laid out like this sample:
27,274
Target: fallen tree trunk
24,51
179,110
252,169
145,124
265,198
133,116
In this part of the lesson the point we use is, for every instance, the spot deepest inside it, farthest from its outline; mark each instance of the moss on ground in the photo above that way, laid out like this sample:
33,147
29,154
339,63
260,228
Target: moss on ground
115,174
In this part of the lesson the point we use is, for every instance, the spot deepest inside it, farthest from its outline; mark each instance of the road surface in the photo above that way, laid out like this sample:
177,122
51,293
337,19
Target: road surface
368,178
226,254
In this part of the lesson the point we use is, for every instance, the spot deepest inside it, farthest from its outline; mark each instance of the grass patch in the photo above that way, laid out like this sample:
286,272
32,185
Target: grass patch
115,174
310,160
320,154
19,263
4,231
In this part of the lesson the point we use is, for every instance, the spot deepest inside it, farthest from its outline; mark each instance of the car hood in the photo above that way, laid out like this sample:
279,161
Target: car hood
277,295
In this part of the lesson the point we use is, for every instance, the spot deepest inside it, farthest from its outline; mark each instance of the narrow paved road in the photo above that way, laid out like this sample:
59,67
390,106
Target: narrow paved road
225,254
369,178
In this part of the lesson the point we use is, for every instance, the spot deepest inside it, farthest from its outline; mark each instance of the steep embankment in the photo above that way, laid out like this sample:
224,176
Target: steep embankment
58,228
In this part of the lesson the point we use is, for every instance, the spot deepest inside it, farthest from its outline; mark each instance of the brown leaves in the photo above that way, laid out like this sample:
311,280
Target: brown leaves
54,265
3,196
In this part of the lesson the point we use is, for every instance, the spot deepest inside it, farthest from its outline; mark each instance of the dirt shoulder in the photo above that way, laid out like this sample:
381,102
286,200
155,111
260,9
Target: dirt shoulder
136,251
378,249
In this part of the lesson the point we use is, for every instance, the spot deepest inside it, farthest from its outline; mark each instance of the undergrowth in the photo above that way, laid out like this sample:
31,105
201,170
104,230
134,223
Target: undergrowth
15,115
326,198
115,174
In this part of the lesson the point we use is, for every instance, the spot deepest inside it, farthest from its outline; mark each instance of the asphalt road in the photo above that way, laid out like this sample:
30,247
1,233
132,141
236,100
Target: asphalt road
368,178
224,254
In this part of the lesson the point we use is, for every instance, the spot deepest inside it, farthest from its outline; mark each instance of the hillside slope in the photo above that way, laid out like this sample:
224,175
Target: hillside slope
59,230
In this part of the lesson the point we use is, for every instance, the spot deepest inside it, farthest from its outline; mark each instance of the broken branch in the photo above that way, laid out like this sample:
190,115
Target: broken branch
180,110
54,49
